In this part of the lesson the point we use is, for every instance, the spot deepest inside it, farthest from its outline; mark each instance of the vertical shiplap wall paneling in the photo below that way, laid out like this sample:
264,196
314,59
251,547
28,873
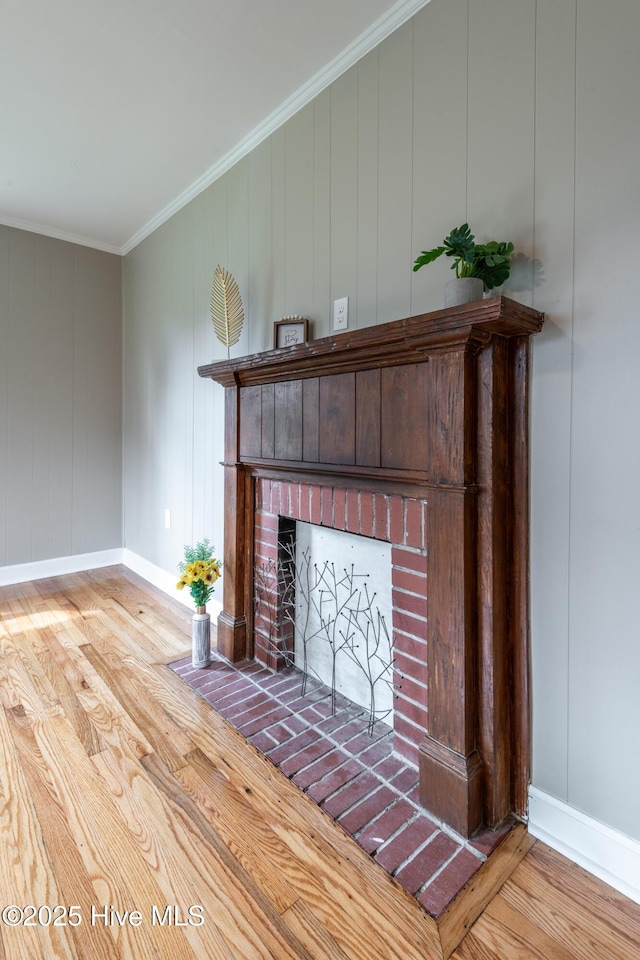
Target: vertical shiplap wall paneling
41,391
551,390
395,174
138,299
21,409
84,305
60,380
168,366
134,290
471,106
201,277
174,385
278,221
604,637
214,486
189,425
81,386
146,440
321,215
198,315
439,141
238,243
205,431
103,479
4,390
142,452
158,396
183,478
502,127
60,399
238,263
260,277
152,427
298,214
220,239
344,192
368,148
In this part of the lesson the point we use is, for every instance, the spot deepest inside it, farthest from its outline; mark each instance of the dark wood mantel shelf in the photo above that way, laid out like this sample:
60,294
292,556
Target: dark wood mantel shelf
397,342
432,408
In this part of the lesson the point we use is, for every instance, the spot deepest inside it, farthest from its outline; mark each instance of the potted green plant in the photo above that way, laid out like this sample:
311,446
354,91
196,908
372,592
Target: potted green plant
478,266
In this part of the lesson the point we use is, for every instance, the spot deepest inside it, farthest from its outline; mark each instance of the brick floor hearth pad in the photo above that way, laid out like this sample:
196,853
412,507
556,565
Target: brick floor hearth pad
355,778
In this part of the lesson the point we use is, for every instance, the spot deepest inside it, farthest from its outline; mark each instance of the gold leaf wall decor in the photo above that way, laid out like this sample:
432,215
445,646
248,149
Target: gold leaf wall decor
227,314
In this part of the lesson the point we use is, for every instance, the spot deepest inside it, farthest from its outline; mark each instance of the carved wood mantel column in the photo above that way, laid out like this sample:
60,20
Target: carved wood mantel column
432,408
232,622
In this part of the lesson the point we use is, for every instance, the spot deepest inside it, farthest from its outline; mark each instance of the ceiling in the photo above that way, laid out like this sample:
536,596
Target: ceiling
115,114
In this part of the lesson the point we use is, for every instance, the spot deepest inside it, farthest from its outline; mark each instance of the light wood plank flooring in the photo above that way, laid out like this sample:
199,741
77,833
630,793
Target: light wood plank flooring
123,793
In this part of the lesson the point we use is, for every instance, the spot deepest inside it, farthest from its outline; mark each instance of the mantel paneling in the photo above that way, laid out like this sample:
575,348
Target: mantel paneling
337,419
383,412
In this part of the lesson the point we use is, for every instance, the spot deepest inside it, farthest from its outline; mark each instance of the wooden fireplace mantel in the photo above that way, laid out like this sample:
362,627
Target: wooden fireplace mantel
433,407
397,342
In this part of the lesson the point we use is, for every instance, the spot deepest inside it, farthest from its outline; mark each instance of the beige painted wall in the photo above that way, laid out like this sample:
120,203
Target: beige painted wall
60,399
515,115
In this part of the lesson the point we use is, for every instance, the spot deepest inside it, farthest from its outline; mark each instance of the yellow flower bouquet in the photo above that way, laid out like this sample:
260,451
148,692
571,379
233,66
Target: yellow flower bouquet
199,571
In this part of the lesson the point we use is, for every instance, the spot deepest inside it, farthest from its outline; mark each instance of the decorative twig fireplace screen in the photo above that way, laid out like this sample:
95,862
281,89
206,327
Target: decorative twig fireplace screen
324,607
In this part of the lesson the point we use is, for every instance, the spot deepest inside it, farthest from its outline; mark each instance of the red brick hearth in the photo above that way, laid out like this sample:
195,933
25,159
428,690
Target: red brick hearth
395,519
357,779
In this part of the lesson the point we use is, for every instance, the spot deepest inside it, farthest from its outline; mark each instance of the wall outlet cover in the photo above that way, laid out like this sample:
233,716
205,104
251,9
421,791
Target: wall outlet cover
341,313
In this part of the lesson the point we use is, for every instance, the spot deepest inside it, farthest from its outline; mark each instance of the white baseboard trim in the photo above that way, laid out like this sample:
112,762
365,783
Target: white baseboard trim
39,569
608,854
165,581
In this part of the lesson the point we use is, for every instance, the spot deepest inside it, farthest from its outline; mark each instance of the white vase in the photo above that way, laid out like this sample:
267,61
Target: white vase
201,638
462,290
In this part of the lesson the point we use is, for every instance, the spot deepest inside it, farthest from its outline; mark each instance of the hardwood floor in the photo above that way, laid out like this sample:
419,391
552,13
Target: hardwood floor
122,790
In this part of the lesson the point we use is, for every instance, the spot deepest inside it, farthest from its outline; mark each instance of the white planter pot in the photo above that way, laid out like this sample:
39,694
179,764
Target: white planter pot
201,639
462,290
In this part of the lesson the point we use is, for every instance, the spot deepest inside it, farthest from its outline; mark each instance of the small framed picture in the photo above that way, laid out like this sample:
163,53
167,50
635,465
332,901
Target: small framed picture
290,331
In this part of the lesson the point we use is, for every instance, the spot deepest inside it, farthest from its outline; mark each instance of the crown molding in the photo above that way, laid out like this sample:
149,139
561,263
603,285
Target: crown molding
46,231
366,41
394,18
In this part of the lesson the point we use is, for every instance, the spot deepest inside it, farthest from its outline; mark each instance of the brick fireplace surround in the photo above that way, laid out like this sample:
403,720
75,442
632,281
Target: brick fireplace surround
395,519
414,432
